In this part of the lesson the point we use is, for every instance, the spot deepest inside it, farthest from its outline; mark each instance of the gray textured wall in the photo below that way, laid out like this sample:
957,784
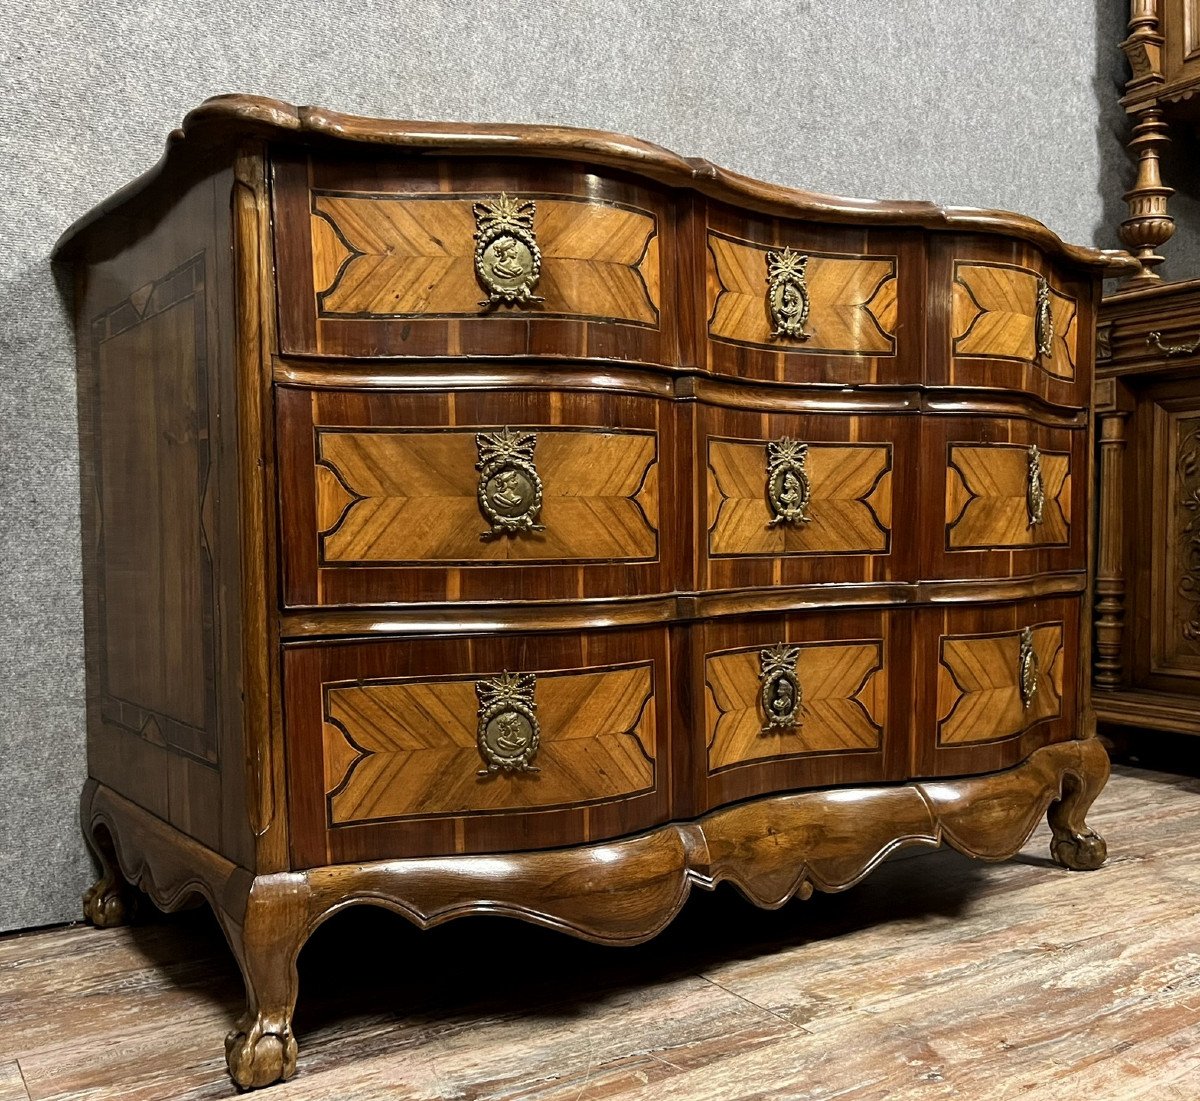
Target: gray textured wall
996,103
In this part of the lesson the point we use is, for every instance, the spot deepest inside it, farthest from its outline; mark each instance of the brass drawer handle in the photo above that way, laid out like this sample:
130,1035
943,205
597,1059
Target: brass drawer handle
1028,667
510,490
1035,490
789,491
782,696
508,261
787,294
1044,324
1155,340
507,733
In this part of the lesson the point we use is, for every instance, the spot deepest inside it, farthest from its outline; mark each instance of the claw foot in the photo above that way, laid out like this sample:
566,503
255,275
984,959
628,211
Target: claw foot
1080,852
256,1056
107,902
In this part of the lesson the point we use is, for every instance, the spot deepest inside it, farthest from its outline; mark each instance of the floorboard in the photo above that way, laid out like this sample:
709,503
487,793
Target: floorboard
935,978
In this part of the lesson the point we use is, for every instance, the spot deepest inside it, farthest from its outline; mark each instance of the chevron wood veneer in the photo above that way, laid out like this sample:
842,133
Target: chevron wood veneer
385,256
411,496
844,699
487,519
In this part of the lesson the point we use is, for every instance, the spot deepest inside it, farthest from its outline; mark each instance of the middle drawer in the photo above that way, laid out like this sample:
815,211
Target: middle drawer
393,498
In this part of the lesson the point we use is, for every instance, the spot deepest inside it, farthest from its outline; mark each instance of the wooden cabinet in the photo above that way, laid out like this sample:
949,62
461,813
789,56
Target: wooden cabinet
532,521
1147,651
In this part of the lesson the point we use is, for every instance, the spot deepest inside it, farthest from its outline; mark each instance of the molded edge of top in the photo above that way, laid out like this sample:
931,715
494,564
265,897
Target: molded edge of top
223,121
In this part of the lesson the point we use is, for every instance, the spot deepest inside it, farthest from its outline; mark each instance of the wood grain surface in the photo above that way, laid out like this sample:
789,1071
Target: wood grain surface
937,977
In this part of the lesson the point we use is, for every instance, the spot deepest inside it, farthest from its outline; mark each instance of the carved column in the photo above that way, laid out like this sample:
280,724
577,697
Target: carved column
1149,225
1108,624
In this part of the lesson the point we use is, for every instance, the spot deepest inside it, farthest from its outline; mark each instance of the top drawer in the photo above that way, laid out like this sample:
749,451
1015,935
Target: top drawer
1011,321
801,303
428,257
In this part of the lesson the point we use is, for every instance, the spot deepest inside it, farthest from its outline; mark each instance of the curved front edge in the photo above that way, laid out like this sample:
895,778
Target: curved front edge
772,849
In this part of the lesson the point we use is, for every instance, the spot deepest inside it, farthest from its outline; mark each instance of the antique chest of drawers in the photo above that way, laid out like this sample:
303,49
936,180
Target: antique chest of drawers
461,490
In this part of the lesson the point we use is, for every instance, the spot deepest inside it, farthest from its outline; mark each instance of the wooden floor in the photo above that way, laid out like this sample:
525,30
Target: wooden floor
935,978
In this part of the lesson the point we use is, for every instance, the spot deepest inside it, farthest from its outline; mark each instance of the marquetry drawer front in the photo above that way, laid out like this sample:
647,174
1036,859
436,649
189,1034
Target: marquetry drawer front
1015,323
420,258
439,746
805,303
999,683
1013,501
796,499
793,701
503,500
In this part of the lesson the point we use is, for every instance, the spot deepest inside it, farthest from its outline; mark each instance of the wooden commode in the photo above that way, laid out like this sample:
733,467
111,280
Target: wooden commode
454,490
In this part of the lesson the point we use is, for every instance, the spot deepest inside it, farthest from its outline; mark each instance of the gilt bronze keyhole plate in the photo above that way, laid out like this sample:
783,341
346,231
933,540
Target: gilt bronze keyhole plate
507,733
508,262
509,490
782,696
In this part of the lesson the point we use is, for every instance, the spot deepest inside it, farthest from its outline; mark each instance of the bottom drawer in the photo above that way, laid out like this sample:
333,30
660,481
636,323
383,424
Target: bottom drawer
794,701
435,746
994,684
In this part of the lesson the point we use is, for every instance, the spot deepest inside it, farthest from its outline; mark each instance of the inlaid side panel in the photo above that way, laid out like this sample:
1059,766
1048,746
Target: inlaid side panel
157,645
396,749
393,256
385,256
838,696
994,683
408,495
846,494
1006,495
474,495
1003,311
806,699
406,747
851,300
994,686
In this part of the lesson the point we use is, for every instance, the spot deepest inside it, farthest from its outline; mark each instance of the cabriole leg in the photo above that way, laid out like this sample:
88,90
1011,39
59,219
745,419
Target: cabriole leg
110,900
1074,844
262,1048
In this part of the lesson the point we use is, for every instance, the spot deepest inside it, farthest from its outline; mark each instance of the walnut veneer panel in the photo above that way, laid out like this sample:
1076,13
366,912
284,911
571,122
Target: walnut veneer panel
381,492
995,683
852,689
864,308
996,330
1006,510
377,258
386,758
853,470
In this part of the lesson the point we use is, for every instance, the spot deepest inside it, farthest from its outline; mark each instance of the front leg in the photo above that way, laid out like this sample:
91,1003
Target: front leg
1075,845
262,1048
110,901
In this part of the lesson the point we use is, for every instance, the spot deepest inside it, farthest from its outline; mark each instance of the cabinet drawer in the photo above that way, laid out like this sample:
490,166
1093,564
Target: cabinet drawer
390,498
792,499
389,257
1014,322
797,302
424,747
995,683
1014,498
796,701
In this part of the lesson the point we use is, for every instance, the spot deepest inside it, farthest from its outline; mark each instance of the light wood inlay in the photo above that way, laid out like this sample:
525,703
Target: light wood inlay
986,498
407,748
994,316
845,699
851,504
387,256
852,300
979,685
401,495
